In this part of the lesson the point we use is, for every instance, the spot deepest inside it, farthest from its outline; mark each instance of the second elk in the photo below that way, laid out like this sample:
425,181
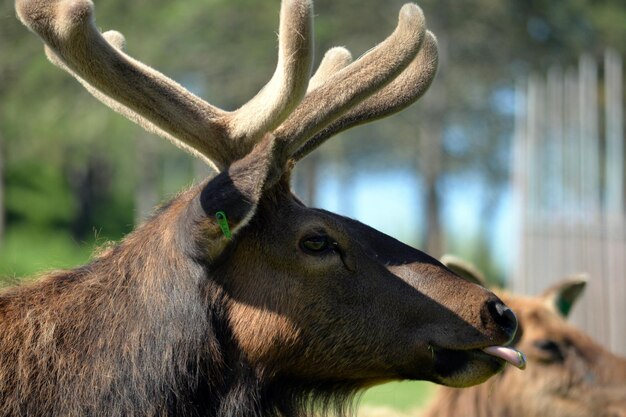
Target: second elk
568,374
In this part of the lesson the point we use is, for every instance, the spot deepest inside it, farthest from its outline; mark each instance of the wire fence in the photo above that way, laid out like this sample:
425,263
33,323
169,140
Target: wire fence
569,189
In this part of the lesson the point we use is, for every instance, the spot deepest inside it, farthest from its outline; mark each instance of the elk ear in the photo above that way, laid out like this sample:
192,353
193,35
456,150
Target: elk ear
464,269
562,296
230,199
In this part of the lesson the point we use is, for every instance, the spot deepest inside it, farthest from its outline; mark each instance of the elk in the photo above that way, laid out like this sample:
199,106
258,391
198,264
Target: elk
568,374
235,299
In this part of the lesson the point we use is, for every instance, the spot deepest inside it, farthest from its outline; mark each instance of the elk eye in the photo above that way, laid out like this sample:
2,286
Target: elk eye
550,349
316,244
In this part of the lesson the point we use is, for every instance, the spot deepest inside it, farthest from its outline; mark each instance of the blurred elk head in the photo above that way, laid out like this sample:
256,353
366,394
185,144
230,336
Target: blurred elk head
568,374
235,298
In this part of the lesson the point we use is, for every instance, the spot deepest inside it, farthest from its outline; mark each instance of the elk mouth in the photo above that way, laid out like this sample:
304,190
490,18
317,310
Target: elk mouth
461,368
508,354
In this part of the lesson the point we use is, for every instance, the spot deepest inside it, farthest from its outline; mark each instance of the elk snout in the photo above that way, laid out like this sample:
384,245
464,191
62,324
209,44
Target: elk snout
503,317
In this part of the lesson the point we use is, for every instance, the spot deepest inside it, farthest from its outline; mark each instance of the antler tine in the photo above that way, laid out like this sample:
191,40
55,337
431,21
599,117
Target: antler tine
67,27
280,96
335,59
404,90
117,40
356,82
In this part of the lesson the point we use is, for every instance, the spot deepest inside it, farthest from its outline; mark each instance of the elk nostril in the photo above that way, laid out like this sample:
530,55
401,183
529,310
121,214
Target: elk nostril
503,316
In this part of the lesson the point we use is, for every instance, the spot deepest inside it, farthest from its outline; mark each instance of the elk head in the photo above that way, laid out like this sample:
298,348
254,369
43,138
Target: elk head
305,297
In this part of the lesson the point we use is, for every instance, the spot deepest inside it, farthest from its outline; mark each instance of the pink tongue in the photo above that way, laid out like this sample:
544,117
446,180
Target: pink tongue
512,356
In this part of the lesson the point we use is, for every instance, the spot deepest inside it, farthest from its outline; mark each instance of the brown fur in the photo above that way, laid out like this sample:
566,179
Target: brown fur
568,374
151,327
181,320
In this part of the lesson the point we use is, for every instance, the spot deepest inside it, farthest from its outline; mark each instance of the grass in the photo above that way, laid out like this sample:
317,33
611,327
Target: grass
401,396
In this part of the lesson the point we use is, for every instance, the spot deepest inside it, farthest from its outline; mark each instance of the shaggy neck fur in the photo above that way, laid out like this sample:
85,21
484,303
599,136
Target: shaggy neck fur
140,331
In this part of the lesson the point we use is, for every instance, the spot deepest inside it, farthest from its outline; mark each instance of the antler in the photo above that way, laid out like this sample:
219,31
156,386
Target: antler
403,91
353,84
341,94
158,103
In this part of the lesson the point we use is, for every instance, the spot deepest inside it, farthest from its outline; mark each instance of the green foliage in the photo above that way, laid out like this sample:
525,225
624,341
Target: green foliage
38,196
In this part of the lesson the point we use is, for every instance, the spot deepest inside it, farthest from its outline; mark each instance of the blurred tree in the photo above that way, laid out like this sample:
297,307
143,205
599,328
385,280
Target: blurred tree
2,186
9,67
147,182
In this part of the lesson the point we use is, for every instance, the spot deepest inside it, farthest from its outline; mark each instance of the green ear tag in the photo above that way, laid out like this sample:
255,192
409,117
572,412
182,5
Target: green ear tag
223,222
